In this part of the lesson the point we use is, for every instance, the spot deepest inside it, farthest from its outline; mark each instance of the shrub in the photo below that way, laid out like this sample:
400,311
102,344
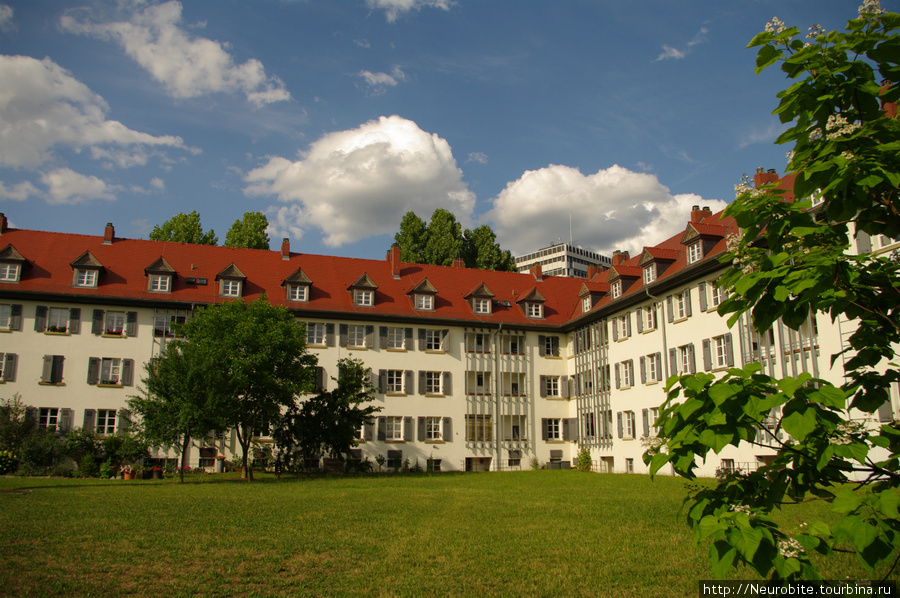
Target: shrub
81,442
87,467
583,460
42,450
8,463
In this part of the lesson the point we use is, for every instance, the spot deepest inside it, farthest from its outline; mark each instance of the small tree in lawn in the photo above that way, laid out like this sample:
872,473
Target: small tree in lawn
171,410
328,423
791,261
255,364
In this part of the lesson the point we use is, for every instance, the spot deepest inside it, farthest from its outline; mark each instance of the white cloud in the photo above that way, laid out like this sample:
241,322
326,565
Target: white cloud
377,82
674,53
394,8
19,192
477,157
186,66
611,209
358,183
157,183
65,186
43,107
6,19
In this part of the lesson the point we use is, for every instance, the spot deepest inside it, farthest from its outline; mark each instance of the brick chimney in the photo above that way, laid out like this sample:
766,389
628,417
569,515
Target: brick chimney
592,272
619,257
764,177
285,248
2,223
699,214
459,262
394,257
109,234
537,272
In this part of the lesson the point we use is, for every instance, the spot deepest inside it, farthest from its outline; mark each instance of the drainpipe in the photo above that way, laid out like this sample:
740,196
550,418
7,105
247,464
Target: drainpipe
497,389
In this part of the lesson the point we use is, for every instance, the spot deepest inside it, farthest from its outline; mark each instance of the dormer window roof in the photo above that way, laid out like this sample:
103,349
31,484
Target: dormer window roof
590,293
160,276
423,295
86,271
363,291
480,300
532,303
297,286
11,264
231,281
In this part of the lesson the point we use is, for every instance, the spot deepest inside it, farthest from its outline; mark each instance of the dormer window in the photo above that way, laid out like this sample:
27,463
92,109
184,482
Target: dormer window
159,283
85,278
615,290
586,304
9,272
364,298
534,310
425,302
231,281
296,286
230,288
649,273
297,292
86,271
695,252
481,305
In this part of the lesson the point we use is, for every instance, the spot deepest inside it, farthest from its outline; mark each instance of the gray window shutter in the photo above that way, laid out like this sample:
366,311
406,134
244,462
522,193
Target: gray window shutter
564,386
640,319
673,361
729,351
570,428
408,429
542,349
382,337
884,410
543,387
702,290
57,374
382,380
646,414
66,420
863,242
421,382
659,372
47,371
621,425
382,428
127,372
97,322
370,336
15,317
618,369
544,428
670,309
123,421
344,332
9,367
131,324
448,430
329,335
447,386
408,382
368,430
93,376
444,334
707,355
691,358
687,302
40,318
615,329
421,429
643,370
421,339
408,339
627,323
75,320
89,419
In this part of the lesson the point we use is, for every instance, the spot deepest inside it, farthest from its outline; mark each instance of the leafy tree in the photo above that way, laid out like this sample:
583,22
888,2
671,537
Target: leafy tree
328,423
481,250
184,228
411,237
252,364
250,232
171,410
444,242
17,422
791,261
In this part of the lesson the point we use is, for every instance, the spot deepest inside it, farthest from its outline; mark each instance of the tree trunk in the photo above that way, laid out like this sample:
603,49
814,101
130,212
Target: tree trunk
246,473
184,447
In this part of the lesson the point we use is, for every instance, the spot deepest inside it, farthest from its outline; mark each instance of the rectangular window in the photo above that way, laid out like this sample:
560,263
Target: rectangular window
53,369
481,306
433,428
479,428
230,288
653,373
554,429
396,338
48,417
364,298
686,359
356,335
297,292
85,278
106,421
159,283
586,304
653,415
628,373
110,371
718,295
624,327
433,340
551,346
425,302
394,382
695,252
680,306
164,324
114,322
590,426
58,319
477,342
9,272
629,465
433,383
5,316
628,424
514,427
315,334
649,315
649,273
393,428
615,290
535,310
720,352
552,387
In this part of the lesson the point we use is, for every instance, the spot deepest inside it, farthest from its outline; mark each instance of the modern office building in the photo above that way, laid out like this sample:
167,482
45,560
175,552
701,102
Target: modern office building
563,259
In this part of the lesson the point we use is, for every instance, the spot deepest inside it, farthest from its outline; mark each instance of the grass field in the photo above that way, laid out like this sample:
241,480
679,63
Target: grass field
545,533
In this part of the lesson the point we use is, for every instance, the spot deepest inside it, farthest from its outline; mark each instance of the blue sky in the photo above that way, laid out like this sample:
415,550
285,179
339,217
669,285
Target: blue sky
336,117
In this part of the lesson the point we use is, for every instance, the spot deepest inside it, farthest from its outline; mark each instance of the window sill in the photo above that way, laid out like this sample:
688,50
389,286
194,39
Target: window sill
442,441
651,382
625,387
395,350
2,330
551,356
112,336
554,398
679,320
51,333
436,351
648,330
316,346
555,441
435,395
102,385
51,383
395,394
395,441
622,339
349,348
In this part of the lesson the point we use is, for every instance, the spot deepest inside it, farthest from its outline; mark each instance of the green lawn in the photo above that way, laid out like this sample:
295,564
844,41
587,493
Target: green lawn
546,533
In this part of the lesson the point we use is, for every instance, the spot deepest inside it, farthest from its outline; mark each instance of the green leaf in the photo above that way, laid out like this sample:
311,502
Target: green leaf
766,56
714,440
800,423
888,503
708,526
746,540
659,459
721,557
845,502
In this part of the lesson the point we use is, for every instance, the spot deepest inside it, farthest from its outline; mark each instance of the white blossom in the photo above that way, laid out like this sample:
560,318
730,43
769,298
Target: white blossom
790,548
838,126
775,26
871,7
815,31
